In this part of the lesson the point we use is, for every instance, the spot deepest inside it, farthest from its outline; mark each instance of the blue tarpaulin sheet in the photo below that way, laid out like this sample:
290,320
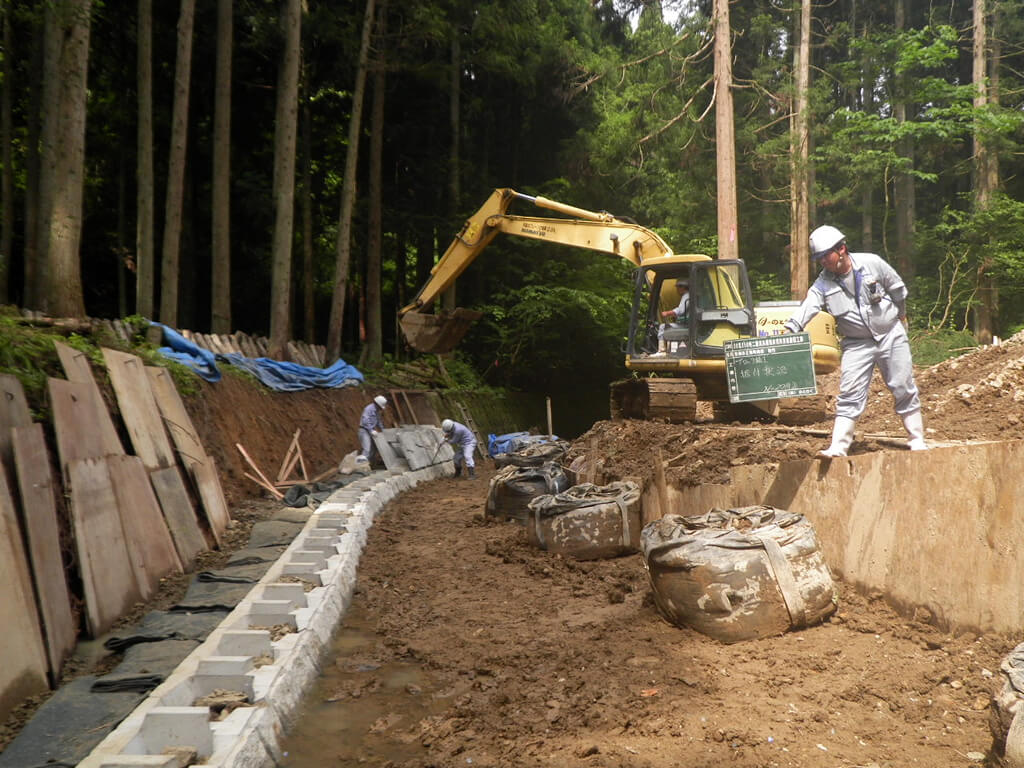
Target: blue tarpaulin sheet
513,441
276,374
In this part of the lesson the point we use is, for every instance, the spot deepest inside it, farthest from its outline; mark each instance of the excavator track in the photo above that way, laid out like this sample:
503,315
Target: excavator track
800,411
671,400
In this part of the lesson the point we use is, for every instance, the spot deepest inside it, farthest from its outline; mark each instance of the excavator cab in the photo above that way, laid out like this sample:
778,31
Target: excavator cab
720,308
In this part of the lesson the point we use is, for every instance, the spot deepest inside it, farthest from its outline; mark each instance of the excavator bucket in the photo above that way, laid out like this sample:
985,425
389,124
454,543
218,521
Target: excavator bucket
437,334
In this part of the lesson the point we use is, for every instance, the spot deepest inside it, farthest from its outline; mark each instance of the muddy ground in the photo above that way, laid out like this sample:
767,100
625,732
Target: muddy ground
464,646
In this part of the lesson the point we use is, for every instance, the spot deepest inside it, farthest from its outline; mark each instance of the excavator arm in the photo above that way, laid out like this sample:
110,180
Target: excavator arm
603,232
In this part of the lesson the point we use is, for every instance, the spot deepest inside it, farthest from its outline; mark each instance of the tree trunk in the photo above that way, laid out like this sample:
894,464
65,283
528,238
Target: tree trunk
449,300
169,268
725,136
7,179
800,147
374,330
145,255
32,252
904,202
984,312
306,202
220,277
284,178
69,22
348,193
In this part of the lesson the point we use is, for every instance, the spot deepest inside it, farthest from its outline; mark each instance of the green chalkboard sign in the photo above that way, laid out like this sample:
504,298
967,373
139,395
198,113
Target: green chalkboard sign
770,367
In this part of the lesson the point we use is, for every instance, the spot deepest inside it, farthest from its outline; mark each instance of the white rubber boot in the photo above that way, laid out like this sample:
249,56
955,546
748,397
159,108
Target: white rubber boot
662,349
914,425
842,437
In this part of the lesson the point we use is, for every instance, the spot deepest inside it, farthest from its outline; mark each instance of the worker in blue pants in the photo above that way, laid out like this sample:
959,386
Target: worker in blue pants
464,442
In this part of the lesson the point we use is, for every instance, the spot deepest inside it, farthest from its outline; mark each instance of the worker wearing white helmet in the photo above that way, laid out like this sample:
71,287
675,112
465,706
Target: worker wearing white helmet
464,442
869,302
370,424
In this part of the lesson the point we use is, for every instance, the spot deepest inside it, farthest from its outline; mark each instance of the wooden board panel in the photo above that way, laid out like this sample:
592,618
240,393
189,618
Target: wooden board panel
77,369
23,671
108,577
146,535
139,409
211,494
175,417
13,413
179,514
77,423
38,504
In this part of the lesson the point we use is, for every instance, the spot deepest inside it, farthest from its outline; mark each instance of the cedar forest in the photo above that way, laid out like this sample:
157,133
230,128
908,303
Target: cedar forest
295,168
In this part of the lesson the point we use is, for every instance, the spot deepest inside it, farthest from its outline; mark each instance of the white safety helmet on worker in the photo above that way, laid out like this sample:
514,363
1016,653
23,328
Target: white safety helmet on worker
381,401
683,282
824,239
447,425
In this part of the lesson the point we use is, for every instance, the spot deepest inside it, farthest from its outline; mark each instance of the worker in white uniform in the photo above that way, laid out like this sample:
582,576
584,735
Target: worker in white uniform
675,318
464,442
868,300
370,424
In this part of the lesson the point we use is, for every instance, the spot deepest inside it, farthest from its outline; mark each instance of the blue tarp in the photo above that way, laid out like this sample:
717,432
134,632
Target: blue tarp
513,441
278,375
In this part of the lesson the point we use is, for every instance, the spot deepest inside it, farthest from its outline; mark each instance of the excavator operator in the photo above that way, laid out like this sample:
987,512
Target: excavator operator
675,318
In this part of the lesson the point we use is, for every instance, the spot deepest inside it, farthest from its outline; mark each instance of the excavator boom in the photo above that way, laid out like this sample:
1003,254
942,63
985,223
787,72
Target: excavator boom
599,231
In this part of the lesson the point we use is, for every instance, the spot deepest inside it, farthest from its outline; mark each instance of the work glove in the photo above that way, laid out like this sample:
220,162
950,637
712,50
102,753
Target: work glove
375,432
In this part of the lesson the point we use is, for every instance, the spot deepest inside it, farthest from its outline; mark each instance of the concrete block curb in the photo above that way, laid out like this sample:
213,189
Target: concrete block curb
270,647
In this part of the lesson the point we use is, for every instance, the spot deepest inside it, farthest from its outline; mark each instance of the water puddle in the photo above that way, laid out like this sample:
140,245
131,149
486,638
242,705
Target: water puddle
365,709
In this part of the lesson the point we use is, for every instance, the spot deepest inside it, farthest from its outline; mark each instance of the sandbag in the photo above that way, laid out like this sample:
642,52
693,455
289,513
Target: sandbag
512,488
588,521
1006,720
533,454
738,574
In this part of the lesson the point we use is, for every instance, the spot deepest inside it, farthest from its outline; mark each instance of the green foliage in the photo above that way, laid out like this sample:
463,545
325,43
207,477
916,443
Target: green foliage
933,346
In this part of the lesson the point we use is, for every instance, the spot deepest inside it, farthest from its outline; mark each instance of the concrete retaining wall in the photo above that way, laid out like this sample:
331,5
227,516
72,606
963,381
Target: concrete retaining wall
939,529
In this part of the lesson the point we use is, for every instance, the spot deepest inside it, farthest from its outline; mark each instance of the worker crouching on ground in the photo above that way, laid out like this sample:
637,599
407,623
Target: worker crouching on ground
868,300
464,442
370,424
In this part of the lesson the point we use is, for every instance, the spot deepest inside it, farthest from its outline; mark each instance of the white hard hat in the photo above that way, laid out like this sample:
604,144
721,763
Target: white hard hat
447,425
381,401
824,239
683,281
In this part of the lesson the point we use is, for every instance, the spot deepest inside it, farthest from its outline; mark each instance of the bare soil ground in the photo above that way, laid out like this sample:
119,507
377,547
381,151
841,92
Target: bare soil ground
465,646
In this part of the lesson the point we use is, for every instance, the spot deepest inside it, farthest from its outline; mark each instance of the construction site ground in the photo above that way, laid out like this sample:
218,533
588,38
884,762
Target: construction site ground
465,646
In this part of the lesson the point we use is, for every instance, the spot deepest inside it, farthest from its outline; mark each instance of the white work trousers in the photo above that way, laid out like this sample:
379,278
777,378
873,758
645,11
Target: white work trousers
366,446
464,454
892,356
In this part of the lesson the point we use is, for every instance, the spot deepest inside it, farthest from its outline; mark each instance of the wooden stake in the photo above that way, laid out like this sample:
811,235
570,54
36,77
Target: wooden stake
265,483
662,486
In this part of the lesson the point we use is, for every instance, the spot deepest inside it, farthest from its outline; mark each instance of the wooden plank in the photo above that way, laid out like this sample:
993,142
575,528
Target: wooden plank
175,417
289,458
77,423
139,409
108,577
78,369
262,477
13,413
38,503
178,513
211,495
148,540
24,667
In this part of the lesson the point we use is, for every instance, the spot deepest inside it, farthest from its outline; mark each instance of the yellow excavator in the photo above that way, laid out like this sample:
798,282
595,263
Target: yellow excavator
669,380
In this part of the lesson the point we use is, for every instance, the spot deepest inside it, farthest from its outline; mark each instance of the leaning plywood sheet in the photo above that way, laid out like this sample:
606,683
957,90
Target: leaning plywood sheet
78,423
40,511
13,413
146,535
211,495
77,369
108,577
23,671
175,417
139,409
179,514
